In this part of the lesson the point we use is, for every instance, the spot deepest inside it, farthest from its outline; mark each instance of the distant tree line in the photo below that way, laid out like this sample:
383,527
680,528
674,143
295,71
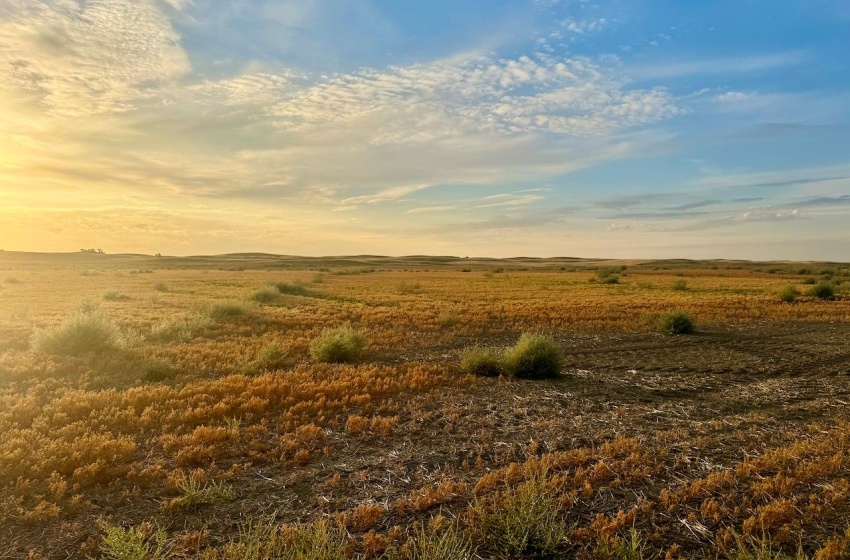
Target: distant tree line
94,251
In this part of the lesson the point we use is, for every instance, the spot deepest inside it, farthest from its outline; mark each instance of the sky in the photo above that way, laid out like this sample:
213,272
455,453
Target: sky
588,128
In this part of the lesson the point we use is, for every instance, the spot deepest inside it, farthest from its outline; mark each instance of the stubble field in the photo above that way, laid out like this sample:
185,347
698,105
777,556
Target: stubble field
205,427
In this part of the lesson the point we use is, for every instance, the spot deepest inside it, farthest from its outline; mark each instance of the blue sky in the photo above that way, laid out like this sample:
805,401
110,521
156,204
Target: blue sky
621,128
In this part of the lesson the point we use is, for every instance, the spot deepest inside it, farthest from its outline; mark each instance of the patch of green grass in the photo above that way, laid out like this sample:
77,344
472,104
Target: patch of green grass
677,322
272,356
523,523
340,345
425,544
11,280
155,372
227,310
788,294
194,493
483,361
267,294
680,286
133,543
265,540
822,290
535,356
81,333
291,288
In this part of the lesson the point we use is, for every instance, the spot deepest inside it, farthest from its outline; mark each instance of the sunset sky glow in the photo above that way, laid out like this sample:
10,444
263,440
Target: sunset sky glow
609,128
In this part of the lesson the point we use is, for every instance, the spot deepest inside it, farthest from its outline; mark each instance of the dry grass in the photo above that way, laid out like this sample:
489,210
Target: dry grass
224,412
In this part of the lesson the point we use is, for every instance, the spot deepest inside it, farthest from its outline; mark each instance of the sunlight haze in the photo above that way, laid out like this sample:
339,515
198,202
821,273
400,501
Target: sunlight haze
610,128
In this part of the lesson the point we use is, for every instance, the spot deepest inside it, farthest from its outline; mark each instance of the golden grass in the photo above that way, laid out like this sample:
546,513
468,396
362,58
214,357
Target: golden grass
81,430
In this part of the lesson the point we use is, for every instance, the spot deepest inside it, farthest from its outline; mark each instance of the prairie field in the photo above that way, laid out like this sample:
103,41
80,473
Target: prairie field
261,407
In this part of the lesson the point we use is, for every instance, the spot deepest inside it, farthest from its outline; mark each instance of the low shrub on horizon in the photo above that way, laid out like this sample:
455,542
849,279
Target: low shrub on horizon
535,356
339,345
677,322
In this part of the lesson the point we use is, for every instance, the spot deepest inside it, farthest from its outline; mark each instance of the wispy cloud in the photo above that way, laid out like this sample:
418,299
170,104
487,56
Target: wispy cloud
719,66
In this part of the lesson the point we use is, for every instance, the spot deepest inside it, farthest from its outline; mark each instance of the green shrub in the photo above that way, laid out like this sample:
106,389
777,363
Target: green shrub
478,360
788,294
265,540
425,544
677,322
272,356
158,371
227,310
809,281
522,523
194,493
83,332
534,356
610,280
680,286
267,294
341,345
291,288
133,544
822,290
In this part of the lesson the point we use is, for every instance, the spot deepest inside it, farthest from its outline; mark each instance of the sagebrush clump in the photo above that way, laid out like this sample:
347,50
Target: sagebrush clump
535,356
822,290
677,322
524,522
83,332
340,345
483,361
788,294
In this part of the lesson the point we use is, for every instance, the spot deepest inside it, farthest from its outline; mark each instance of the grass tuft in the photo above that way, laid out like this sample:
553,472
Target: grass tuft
291,288
446,544
523,523
267,294
822,290
340,345
677,322
535,356
788,294
483,361
271,357
227,310
83,332
133,543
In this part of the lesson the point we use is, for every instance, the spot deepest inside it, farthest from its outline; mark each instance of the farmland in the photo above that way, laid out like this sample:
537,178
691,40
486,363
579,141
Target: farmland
208,421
